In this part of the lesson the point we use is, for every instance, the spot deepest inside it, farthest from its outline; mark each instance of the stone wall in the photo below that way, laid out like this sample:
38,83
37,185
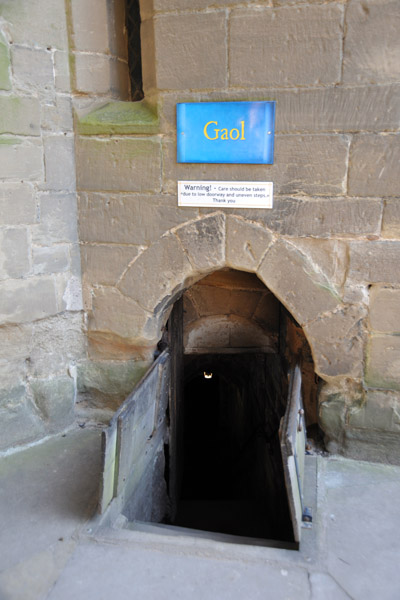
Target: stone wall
41,335
328,249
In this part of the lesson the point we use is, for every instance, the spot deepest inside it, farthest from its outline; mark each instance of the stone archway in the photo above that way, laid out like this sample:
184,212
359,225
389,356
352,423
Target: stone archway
131,314
127,319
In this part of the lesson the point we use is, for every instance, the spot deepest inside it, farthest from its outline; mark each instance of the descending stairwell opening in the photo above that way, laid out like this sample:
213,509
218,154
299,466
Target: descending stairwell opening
233,344
232,480
213,436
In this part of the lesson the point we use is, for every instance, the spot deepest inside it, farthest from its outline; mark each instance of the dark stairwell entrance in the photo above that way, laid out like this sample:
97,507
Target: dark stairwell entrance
232,477
235,348
206,451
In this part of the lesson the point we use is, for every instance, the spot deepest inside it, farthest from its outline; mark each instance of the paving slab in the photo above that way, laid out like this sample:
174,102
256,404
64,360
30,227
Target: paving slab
101,571
46,493
51,548
359,507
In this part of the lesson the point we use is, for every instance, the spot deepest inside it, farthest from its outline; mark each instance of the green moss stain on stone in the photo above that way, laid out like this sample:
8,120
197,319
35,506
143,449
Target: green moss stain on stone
9,141
121,118
5,83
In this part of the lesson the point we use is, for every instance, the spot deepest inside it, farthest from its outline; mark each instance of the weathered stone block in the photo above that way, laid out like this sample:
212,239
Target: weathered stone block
58,219
208,332
55,399
125,164
189,309
267,312
381,411
371,445
383,362
332,414
15,342
309,164
27,23
59,162
62,78
48,260
161,269
17,204
129,220
290,275
302,217
26,300
57,342
117,315
14,256
89,24
374,161
204,242
19,422
104,265
328,256
288,47
148,55
119,118
5,83
244,303
235,280
210,300
75,260
117,33
337,342
384,312
391,219
92,73
372,46
338,109
171,5
119,79
374,262
213,300
58,116
246,243
191,51
21,160
33,68
13,372
115,378
19,116
69,292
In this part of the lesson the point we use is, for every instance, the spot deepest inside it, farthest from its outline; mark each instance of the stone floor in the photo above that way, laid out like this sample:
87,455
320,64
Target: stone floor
52,547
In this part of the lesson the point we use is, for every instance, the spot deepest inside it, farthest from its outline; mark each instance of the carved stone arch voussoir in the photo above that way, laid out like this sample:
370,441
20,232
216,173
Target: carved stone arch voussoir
191,251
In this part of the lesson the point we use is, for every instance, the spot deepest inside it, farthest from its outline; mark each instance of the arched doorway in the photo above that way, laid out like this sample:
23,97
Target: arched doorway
233,344
305,300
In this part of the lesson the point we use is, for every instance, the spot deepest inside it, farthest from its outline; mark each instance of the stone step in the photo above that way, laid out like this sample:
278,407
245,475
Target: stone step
174,530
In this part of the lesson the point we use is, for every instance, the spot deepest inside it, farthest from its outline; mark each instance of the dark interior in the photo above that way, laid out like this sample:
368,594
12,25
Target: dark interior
232,480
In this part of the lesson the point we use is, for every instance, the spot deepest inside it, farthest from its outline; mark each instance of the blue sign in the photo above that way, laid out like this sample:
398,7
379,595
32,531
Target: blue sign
226,132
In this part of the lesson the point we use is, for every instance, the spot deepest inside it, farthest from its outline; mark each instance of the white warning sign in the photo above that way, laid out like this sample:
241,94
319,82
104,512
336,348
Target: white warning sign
229,194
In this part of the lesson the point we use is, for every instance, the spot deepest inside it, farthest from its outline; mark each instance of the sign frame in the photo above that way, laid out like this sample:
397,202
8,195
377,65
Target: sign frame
226,194
226,132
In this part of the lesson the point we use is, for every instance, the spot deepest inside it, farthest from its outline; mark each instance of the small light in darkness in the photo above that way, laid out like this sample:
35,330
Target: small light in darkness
207,375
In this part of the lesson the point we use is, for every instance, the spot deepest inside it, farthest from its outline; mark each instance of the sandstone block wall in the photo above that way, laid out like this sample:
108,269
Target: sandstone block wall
41,317
328,249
